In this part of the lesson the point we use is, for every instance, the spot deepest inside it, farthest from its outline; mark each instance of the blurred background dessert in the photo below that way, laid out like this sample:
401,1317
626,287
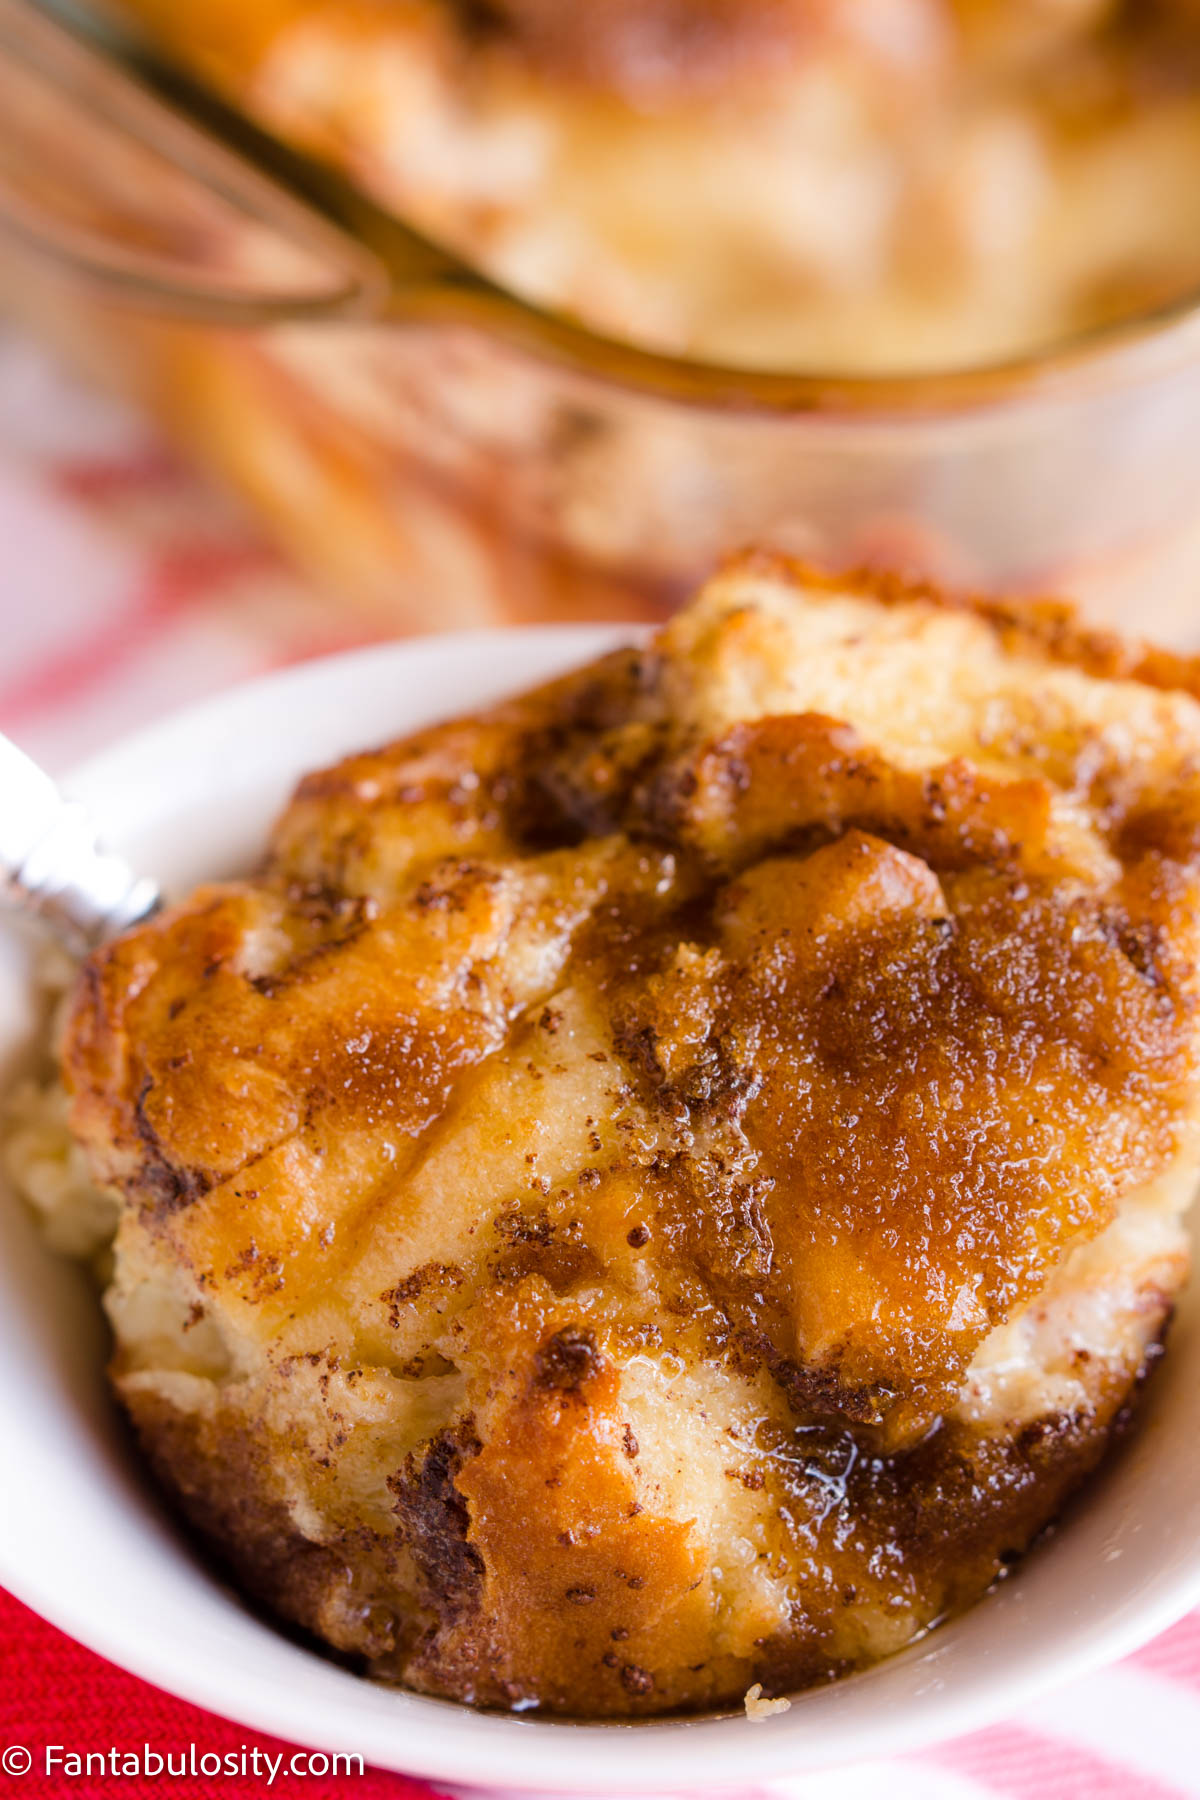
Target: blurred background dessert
827,185
914,278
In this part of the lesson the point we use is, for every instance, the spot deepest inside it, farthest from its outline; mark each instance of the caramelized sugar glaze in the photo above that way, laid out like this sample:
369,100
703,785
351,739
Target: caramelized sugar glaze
669,1182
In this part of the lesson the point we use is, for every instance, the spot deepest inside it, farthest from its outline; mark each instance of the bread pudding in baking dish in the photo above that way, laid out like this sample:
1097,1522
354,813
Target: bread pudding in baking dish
850,185
666,1185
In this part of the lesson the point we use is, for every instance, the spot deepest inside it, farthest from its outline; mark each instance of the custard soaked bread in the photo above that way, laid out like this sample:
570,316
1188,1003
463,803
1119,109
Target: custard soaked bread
668,1183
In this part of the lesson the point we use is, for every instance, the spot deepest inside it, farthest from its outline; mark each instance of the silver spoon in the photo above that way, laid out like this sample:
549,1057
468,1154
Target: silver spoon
52,865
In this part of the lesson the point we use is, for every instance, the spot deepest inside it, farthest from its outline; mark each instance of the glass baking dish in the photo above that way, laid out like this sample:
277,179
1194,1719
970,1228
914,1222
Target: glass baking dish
438,452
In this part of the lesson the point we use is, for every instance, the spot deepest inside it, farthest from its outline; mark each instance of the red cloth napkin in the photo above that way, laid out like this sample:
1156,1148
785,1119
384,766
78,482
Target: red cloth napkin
57,1698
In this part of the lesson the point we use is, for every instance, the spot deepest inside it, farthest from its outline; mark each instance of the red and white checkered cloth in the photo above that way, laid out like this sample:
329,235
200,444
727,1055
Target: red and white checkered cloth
129,589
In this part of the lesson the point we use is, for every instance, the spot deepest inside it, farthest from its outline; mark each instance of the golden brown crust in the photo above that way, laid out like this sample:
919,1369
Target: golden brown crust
1048,626
647,52
652,53
666,49
525,1574
611,1129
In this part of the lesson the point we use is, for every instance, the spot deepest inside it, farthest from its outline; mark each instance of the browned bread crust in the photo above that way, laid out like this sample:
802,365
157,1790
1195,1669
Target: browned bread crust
575,1195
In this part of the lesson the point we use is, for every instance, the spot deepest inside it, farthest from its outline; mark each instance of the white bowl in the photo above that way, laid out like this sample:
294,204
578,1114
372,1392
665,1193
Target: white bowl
83,1541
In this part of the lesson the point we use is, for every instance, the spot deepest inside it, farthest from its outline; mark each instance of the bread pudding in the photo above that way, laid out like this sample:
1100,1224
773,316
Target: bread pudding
664,1187
850,185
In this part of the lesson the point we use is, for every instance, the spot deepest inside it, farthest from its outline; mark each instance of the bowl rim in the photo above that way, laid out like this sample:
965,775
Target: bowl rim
503,1750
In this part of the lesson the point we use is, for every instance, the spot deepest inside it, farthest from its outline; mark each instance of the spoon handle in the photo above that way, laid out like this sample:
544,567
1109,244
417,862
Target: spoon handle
52,866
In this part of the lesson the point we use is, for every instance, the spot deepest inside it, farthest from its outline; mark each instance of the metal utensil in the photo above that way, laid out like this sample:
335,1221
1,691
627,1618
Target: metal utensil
52,865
